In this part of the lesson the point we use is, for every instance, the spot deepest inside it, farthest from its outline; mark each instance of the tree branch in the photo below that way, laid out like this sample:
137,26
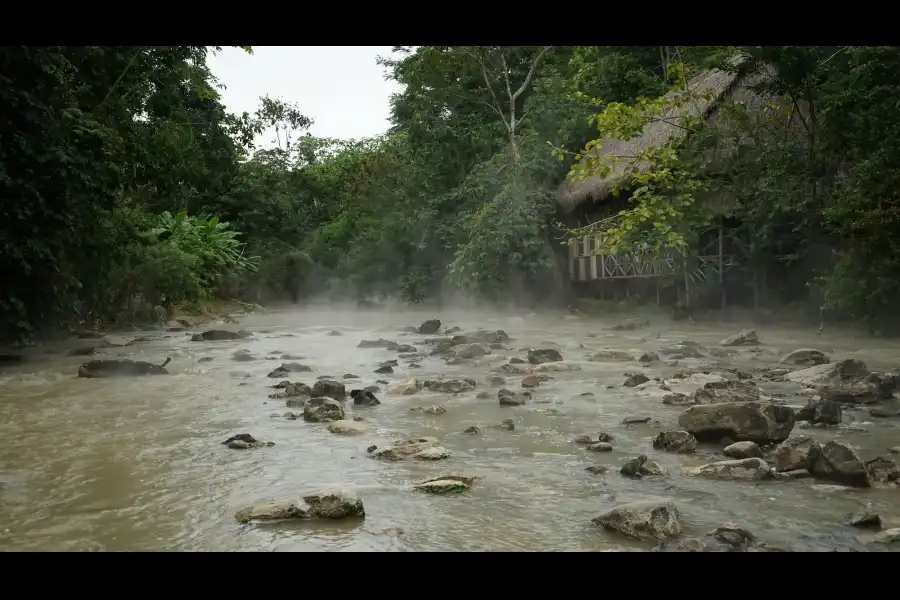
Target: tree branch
530,75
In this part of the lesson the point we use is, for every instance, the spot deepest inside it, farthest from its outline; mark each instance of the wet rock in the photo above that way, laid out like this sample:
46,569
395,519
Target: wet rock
516,361
600,447
865,518
730,537
405,388
404,348
635,379
379,343
886,537
825,412
431,410
335,333
884,471
747,469
647,519
740,450
429,327
597,469
121,368
682,350
472,430
807,357
610,356
82,351
515,368
350,376
287,368
364,398
445,484
531,381
114,341
839,463
469,351
636,420
384,369
641,467
647,357
760,422
481,337
505,425
796,454
676,399
544,355
245,441
843,371
321,505
322,410
218,335
592,438
510,398
747,337
716,392
329,388
680,442
347,427
421,448
450,386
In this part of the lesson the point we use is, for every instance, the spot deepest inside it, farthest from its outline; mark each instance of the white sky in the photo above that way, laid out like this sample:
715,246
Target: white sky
340,87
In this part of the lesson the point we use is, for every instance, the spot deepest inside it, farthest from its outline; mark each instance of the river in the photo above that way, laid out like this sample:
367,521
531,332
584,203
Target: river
137,464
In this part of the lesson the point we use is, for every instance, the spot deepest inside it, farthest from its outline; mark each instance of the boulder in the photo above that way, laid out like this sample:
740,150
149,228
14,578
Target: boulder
635,379
114,341
405,388
841,372
216,335
680,442
741,450
420,448
121,368
329,388
245,441
364,398
321,505
745,338
839,463
468,351
825,412
322,410
647,519
641,467
450,386
481,337
347,427
287,368
445,484
747,469
429,327
544,355
760,422
807,357
715,392
730,537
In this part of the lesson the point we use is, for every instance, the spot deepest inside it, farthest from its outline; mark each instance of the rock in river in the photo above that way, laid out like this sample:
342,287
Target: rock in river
747,469
680,442
245,441
347,427
322,410
430,326
808,357
544,355
215,335
121,368
647,519
420,448
445,484
364,398
745,338
739,450
322,505
329,388
730,537
760,422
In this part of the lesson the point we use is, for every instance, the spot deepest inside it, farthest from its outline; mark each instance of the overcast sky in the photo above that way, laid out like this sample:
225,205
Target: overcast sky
339,87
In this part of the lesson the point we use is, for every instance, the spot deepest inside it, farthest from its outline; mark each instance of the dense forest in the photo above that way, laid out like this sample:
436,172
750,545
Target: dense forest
128,188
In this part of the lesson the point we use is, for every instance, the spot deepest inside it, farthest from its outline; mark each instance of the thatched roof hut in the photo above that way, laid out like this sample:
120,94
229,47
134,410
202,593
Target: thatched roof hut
706,91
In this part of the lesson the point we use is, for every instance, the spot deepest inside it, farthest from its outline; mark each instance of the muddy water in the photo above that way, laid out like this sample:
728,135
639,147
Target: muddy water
137,464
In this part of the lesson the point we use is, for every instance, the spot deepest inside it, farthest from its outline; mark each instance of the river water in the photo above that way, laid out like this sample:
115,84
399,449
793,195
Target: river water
137,464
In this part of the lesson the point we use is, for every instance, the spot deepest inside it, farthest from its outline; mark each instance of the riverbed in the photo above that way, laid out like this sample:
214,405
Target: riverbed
137,463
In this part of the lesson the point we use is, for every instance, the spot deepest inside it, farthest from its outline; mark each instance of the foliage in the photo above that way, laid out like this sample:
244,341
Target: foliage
126,183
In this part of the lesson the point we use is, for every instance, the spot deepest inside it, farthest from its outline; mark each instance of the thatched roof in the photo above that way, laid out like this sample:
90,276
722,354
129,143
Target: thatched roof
707,89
